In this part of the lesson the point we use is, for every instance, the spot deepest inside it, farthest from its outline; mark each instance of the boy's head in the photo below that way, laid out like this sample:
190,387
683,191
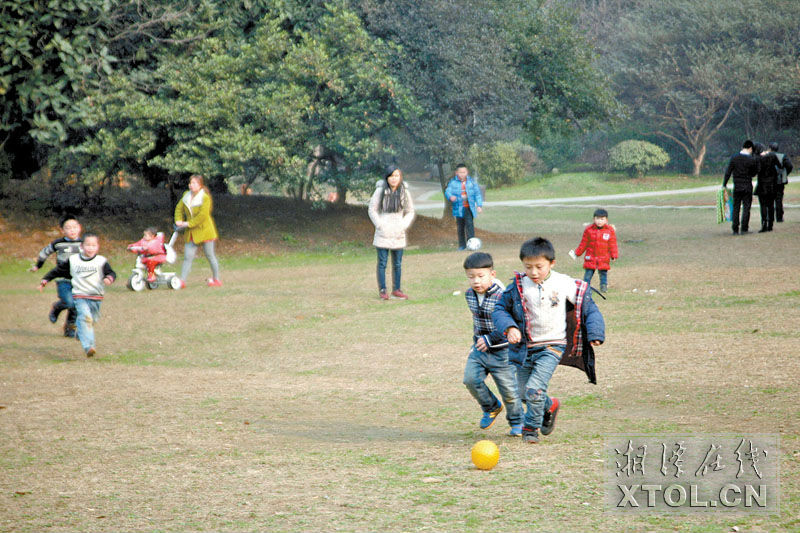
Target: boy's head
461,171
91,245
150,233
600,217
538,257
479,268
70,227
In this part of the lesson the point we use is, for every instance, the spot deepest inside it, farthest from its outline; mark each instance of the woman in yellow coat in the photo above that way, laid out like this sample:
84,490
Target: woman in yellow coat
193,212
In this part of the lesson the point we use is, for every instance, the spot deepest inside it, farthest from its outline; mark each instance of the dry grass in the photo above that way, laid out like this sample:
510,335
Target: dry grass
292,399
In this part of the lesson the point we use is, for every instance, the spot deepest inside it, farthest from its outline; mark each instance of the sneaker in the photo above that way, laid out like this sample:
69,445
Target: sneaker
69,331
516,431
530,435
54,312
91,352
399,295
489,417
383,294
549,421
213,282
603,288
183,284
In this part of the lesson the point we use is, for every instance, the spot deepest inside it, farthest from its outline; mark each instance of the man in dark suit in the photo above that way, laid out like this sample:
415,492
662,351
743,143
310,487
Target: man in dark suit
783,179
743,167
765,189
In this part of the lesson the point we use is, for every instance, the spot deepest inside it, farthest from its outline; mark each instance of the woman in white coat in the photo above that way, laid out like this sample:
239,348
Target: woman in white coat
391,211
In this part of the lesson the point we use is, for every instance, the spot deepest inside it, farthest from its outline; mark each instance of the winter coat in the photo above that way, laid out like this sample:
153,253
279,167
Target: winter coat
584,324
390,228
474,196
154,246
197,212
743,167
600,246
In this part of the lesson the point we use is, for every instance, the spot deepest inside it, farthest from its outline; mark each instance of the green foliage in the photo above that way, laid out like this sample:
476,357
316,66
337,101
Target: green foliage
636,157
502,163
53,55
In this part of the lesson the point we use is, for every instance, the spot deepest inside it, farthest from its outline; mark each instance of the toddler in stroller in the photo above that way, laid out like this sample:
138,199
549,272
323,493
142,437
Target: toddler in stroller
152,252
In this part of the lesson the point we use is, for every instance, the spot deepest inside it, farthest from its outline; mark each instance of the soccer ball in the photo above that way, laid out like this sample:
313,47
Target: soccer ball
474,244
485,454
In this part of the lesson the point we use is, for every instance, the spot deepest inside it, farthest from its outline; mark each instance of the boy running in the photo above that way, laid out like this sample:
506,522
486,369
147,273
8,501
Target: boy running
89,273
548,318
489,354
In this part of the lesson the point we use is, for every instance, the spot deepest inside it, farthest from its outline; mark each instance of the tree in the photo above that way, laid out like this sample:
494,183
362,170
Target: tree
685,65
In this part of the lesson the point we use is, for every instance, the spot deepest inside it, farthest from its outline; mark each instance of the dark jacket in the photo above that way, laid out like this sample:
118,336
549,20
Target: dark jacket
63,248
767,174
581,330
743,168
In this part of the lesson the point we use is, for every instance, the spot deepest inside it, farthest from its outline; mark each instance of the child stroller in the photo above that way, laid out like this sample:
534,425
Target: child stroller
138,278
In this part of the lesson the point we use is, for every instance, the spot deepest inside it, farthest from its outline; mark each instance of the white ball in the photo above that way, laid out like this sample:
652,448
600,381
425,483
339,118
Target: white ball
474,244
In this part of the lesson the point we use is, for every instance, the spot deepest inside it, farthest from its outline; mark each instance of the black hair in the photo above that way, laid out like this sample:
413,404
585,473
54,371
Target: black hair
63,220
758,148
461,165
151,229
537,247
747,144
600,213
478,260
392,201
90,234
773,146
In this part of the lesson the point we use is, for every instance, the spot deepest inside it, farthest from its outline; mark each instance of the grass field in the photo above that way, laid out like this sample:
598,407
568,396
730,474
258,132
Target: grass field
293,399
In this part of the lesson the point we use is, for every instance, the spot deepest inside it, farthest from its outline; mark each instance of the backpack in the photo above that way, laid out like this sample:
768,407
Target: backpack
782,177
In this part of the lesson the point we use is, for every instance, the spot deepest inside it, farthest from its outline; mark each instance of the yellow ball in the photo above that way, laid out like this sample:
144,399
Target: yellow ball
485,454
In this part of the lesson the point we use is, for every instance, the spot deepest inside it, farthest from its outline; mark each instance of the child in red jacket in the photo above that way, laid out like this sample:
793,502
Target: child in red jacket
151,246
599,242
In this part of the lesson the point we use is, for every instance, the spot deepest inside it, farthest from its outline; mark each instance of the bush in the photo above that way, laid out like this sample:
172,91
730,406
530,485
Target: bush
503,163
636,157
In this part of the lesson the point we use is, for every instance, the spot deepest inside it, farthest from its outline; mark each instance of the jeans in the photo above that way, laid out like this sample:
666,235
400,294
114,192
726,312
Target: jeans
190,249
88,314
589,272
465,227
532,379
779,201
479,364
65,300
397,264
742,200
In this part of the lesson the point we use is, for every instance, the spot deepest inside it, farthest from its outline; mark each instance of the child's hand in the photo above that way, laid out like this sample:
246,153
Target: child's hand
596,343
33,268
108,280
42,284
453,199
481,345
479,209
513,335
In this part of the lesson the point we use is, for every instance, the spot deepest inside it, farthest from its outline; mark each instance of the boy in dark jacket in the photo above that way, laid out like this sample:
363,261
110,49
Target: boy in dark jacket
548,318
64,248
489,354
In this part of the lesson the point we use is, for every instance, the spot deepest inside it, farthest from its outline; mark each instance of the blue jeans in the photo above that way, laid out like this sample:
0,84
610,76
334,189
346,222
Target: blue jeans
397,264
64,287
589,272
88,314
533,377
479,364
465,227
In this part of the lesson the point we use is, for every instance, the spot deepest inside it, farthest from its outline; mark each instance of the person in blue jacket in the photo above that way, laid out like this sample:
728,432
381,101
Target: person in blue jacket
464,193
549,319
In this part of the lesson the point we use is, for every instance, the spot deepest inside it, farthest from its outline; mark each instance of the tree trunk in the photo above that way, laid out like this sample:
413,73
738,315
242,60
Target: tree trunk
697,160
447,214
341,195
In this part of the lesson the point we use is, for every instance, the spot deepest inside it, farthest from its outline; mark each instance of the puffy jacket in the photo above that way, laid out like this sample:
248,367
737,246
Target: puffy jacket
197,212
390,228
474,197
579,353
154,246
600,245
